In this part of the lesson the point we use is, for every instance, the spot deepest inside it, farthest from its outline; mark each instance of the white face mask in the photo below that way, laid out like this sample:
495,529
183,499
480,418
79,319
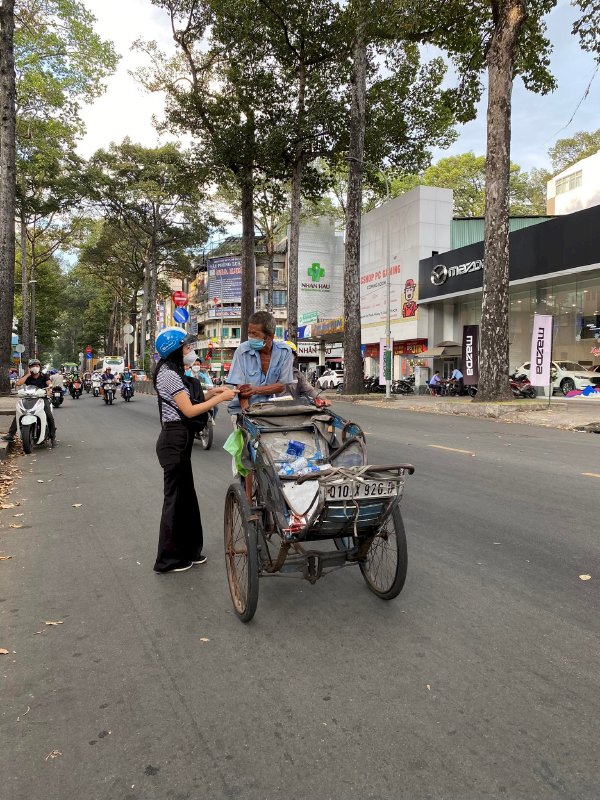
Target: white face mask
196,369
35,370
189,358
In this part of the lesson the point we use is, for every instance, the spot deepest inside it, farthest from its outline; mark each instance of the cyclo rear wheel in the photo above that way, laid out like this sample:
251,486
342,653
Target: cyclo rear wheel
241,553
385,564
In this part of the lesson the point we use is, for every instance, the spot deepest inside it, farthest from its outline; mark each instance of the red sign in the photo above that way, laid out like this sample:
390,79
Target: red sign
180,299
216,301
88,349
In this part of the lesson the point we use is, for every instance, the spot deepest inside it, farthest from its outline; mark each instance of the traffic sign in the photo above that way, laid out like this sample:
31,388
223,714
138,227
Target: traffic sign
128,328
181,315
88,349
180,298
128,338
20,348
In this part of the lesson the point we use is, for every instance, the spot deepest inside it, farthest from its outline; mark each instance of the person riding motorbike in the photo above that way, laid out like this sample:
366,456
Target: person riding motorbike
35,377
126,377
106,376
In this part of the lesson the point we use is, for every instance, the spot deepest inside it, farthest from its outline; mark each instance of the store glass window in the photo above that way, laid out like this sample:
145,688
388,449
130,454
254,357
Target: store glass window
279,332
226,333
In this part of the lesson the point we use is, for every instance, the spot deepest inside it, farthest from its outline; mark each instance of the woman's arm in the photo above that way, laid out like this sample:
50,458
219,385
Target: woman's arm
189,410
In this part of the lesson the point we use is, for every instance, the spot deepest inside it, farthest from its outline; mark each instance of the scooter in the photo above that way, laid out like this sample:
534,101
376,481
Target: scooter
96,383
521,387
32,423
57,396
402,386
127,391
110,390
87,385
76,389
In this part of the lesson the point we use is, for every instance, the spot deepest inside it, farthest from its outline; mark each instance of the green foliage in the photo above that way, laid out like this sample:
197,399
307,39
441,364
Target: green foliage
567,152
587,27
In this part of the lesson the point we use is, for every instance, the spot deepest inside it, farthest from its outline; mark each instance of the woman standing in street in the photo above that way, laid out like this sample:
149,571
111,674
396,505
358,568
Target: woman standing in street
180,541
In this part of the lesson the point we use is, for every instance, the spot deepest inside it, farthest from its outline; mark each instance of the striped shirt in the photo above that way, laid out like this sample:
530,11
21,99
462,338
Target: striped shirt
168,384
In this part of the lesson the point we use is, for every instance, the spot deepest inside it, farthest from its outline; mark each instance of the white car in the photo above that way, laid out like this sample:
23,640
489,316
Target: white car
567,375
331,379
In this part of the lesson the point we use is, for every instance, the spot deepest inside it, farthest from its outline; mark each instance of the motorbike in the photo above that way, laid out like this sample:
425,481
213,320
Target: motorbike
75,389
127,392
57,396
402,386
110,391
96,383
87,385
521,387
32,423
205,436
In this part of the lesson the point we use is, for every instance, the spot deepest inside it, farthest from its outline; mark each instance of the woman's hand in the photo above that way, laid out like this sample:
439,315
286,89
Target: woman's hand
226,394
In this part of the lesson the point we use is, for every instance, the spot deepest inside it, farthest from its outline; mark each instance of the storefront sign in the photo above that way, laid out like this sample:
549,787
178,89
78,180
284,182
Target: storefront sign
541,350
308,318
470,355
330,326
225,311
440,273
373,295
225,278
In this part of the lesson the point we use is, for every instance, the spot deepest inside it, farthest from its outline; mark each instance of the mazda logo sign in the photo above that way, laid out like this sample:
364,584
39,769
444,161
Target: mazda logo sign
439,274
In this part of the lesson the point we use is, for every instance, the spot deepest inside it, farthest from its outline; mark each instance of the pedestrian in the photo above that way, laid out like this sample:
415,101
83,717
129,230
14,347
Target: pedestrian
457,378
180,401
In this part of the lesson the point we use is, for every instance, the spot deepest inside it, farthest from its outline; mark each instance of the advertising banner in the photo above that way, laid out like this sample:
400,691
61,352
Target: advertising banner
541,350
373,295
382,359
221,312
470,355
225,279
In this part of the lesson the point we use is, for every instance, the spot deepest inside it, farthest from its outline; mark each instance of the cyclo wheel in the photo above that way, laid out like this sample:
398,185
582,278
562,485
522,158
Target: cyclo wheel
206,435
385,564
241,553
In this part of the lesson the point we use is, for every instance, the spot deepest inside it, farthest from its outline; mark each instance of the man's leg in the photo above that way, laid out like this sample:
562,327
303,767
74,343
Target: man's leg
11,431
50,418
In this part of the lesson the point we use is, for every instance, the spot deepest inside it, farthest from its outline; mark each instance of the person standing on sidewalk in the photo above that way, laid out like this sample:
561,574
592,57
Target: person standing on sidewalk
180,400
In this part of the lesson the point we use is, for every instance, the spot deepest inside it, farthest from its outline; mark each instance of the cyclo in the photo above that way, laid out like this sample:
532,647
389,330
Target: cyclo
274,523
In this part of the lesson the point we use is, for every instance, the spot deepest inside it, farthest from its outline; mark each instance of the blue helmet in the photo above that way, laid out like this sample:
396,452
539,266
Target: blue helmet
169,340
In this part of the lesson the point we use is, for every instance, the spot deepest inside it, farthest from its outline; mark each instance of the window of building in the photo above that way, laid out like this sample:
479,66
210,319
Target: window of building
279,332
235,333
569,182
226,333
279,298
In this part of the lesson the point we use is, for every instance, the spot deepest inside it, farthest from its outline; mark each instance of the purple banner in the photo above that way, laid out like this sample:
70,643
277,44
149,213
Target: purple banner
470,355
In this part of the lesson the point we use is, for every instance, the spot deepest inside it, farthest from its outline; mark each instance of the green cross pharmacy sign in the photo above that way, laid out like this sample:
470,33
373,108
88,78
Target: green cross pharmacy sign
316,272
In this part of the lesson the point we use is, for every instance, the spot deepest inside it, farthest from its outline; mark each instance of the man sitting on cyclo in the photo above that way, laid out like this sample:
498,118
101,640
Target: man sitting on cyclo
261,366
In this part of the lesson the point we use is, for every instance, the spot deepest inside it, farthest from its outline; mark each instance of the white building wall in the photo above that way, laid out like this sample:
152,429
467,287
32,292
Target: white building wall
584,196
419,224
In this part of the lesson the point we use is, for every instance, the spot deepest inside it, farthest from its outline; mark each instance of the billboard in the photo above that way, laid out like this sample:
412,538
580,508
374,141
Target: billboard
373,296
225,279
470,355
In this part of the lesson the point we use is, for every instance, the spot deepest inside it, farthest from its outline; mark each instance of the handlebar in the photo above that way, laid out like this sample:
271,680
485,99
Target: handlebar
370,470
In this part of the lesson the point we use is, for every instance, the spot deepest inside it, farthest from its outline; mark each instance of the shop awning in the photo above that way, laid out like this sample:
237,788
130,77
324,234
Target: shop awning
442,351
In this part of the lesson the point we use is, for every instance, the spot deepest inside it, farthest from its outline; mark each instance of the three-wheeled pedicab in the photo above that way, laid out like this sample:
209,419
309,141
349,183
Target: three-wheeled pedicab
310,483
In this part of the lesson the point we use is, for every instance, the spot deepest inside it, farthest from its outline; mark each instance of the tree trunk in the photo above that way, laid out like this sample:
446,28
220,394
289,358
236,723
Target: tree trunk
248,262
153,281
494,346
7,187
270,261
24,288
293,247
32,283
353,366
144,314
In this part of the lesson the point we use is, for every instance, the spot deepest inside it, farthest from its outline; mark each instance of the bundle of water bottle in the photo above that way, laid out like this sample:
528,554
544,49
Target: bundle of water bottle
299,459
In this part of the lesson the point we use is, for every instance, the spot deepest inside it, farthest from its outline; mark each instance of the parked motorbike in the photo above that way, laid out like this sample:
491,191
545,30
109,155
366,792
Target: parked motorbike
32,423
521,387
87,385
127,392
110,390
205,436
57,396
402,386
76,389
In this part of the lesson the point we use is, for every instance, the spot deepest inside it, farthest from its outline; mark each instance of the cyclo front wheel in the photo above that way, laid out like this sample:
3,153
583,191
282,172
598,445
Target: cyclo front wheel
206,435
385,564
241,553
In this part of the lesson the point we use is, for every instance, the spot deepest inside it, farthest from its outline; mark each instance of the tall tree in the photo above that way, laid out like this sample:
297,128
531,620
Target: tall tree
7,186
566,152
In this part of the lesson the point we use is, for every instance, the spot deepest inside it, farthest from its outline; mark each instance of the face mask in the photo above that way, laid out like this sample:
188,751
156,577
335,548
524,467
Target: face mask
256,344
195,369
189,358
35,370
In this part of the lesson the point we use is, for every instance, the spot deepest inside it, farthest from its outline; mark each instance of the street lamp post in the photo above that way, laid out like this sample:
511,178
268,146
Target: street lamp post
389,356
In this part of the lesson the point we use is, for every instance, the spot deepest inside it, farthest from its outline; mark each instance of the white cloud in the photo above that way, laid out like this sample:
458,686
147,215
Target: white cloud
125,109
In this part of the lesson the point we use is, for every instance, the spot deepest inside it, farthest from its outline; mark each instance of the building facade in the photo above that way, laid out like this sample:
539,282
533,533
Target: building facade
575,188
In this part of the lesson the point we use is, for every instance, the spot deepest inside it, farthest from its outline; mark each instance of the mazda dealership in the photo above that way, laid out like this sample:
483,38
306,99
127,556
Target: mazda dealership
554,269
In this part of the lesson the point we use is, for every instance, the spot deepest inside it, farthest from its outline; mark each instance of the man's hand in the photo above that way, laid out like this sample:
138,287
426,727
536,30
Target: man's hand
246,390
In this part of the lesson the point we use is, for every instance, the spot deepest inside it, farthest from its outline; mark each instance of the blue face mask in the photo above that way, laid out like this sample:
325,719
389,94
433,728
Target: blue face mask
256,344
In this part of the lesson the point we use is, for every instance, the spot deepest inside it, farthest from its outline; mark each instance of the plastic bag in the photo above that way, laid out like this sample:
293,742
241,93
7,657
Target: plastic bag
235,447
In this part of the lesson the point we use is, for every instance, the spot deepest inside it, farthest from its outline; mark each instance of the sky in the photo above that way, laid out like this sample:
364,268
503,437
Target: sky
126,109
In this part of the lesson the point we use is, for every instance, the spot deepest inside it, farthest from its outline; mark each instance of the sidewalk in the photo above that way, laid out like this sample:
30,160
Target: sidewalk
562,414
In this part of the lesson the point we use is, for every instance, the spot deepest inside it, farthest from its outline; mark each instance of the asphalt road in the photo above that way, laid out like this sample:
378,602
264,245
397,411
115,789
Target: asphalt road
480,681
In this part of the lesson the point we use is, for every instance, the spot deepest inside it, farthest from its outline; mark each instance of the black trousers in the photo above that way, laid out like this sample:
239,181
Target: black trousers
49,417
180,539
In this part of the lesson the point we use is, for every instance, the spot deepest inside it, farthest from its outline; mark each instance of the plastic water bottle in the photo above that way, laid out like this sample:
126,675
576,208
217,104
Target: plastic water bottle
286,469
299,464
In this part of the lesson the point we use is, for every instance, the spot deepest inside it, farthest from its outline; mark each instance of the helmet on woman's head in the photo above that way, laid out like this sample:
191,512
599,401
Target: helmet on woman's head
169,340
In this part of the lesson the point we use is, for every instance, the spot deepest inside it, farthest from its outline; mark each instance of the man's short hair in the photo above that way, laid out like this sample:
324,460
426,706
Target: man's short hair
265,320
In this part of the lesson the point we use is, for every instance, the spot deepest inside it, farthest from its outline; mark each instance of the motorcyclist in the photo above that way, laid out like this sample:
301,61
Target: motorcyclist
106,376
126,377
57,379
35,377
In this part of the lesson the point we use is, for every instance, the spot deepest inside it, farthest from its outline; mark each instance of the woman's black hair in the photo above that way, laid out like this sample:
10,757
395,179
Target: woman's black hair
173,361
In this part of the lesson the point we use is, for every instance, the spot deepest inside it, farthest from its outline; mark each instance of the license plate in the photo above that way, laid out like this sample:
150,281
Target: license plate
359,491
